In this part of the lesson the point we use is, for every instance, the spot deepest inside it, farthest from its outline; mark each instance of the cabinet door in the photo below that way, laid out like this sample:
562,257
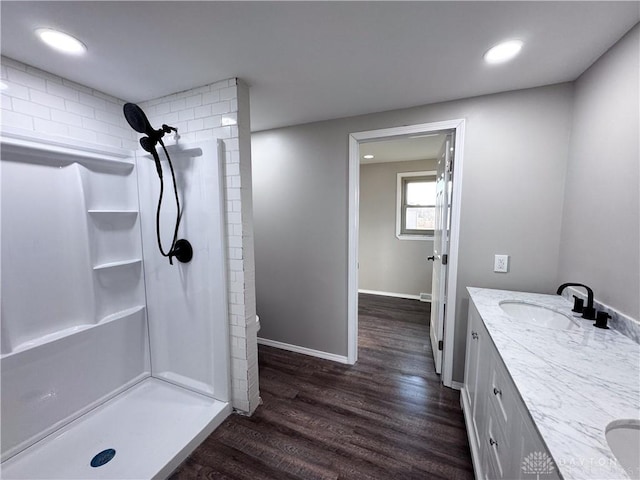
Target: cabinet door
531,456
471,359
477,370
503,400
484,360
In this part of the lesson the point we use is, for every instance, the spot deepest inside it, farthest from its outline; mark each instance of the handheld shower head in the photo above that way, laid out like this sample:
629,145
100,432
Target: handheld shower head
150,146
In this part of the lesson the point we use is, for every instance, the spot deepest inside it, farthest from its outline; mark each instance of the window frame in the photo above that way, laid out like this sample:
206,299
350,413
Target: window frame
403,178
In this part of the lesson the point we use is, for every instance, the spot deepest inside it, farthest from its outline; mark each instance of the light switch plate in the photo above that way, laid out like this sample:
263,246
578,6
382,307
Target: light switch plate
501,263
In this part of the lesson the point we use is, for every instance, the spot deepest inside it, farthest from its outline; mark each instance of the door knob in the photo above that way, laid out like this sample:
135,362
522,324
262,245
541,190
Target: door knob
431,258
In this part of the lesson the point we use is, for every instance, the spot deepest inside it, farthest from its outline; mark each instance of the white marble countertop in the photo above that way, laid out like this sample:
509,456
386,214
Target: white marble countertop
573,382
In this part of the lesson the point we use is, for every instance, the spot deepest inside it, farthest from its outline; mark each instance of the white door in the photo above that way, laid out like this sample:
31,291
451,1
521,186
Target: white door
441,250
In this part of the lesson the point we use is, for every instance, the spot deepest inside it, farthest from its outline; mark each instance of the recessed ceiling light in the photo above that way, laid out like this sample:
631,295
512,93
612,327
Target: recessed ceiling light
368,157
62,42
503,51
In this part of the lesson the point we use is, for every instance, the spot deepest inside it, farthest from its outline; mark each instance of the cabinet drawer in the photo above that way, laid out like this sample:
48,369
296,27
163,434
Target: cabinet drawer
496,447
502,392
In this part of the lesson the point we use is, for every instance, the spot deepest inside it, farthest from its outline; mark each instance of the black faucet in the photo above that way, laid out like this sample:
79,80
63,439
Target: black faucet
588,312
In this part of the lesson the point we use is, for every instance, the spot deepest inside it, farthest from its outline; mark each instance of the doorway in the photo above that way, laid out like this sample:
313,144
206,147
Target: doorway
397,216
355,142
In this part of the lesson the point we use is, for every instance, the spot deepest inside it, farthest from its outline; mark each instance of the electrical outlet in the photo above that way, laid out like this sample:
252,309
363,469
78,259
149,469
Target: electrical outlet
501,263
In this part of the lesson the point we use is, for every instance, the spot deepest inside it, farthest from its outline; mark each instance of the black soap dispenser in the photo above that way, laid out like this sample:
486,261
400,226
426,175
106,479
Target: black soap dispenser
601,320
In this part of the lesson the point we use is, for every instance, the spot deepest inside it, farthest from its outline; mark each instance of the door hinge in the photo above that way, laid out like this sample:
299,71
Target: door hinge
445,258
440,344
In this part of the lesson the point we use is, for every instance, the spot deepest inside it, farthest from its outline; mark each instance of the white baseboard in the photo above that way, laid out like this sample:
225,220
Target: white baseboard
304,350
456,385
391,294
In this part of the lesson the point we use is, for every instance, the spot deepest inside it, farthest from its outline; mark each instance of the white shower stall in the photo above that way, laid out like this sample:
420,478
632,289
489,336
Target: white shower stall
105,346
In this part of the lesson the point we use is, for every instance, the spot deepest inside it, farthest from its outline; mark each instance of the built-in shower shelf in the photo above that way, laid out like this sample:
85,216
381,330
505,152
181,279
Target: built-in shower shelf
121,314
56,152
48,338
113,213
123,263
72,330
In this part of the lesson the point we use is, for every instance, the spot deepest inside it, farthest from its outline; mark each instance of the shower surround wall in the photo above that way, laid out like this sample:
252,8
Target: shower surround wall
74,328
41,105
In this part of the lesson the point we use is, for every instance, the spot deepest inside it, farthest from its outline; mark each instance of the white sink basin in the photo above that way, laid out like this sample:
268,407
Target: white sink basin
542,316
623,437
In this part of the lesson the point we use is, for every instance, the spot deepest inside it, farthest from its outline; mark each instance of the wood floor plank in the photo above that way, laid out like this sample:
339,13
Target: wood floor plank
385,418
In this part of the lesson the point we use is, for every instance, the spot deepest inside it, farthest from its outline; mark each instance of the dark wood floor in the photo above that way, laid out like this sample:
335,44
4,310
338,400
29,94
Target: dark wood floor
386,418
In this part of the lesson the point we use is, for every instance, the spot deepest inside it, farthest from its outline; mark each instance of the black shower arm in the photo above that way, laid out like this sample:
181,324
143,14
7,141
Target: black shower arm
156,135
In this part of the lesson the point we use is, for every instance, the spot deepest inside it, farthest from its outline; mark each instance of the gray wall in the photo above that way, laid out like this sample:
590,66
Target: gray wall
515,155
388,264
600,239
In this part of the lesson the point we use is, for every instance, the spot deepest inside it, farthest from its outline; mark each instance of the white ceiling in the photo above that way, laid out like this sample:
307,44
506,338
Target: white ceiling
308,61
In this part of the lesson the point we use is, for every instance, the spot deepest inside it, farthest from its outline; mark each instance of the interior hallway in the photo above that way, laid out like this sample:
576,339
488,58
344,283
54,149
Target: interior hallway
387,417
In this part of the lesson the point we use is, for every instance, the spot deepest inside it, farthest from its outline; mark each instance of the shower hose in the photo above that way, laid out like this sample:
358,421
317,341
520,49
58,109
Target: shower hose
170,253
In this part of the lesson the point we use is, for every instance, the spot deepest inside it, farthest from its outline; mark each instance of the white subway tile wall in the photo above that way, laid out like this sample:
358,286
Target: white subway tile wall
39,102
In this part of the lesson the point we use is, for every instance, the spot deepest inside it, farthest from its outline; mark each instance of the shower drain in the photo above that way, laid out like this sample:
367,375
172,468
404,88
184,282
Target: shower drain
103,457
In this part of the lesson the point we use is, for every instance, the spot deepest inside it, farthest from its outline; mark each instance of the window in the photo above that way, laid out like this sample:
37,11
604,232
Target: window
416,205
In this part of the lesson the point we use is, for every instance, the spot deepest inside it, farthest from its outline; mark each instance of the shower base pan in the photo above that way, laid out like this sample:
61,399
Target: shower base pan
152,427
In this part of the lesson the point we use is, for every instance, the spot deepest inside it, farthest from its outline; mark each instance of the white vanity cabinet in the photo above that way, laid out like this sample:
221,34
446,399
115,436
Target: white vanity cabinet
501,432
